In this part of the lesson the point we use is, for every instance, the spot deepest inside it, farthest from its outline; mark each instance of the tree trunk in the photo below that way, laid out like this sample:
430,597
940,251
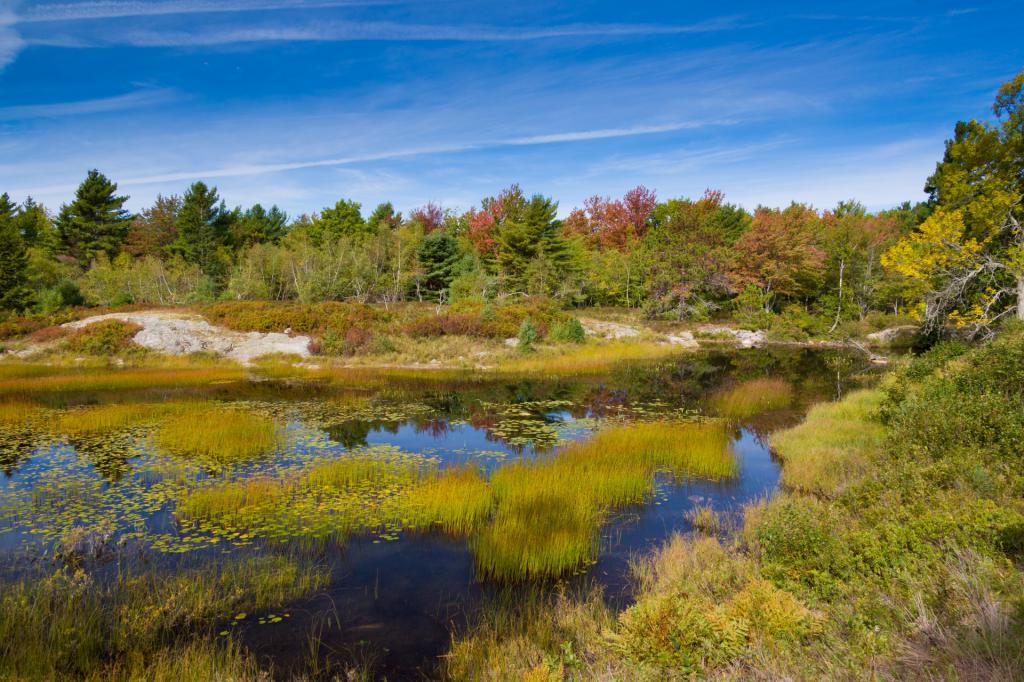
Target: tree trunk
1020,297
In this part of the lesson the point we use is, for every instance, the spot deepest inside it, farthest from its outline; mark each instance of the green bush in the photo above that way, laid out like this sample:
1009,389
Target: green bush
567,331
795,324
751,308
527,336
110,337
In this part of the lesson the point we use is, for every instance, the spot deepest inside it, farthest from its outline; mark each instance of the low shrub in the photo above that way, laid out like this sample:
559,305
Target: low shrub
567,331
106,338
300,318
527,336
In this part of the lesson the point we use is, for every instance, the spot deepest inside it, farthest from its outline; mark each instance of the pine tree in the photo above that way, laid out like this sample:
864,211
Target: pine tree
34,224
14,291
257,225
534,234
438,254
95,222
204,229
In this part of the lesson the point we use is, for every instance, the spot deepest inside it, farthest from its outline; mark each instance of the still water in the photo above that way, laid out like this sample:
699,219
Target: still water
394,596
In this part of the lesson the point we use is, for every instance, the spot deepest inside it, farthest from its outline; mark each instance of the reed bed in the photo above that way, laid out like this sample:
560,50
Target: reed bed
458,501
115,417
68,626
18,413
753,397
221,436
363,470
81,380
549,512
239,498
587,359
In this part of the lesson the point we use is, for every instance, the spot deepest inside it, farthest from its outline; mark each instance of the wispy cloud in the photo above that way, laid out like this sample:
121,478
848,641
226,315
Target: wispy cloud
10,45
253,169
111,9
131,100
355,31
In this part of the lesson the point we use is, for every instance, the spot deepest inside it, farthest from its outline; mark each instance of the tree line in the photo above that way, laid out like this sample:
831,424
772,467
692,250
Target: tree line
955,260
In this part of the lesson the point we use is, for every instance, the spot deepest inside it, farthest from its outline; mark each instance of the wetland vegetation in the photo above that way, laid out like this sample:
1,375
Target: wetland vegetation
286,522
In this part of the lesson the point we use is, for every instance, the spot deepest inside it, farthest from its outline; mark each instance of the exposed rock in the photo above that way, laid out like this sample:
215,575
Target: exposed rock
744,337
608,330
894,336
511,342
182,333
684,339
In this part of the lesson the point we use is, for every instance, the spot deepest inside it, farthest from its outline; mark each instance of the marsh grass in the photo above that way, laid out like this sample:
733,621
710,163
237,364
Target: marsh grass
704,520
365,471
68,626
18,413
834,447
549,512
458,501
753,397
118,416
586,359
57,379
221,436
236,499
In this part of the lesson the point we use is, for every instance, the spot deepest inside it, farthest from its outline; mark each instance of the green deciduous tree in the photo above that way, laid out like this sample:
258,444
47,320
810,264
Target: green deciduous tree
95,222
341,220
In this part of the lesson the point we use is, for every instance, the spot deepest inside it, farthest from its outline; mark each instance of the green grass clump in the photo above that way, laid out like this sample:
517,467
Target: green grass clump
220,436
834,447
753,397
537,532
549,512
140,626
457,501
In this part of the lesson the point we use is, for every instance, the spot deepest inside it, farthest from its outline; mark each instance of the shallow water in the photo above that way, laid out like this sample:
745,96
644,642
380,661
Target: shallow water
394,595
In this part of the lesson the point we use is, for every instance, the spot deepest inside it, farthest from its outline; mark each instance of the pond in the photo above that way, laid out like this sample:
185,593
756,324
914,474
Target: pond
168,480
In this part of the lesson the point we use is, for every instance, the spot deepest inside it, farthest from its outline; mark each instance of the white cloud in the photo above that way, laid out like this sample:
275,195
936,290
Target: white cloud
111,9
132,100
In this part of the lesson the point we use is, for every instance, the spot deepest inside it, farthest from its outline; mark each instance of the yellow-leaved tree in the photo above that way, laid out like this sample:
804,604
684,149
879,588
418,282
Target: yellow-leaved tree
965,262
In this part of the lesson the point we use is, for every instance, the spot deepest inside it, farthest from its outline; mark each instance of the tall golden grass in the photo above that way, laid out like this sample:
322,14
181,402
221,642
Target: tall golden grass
549,512
752,397
458,501
220,435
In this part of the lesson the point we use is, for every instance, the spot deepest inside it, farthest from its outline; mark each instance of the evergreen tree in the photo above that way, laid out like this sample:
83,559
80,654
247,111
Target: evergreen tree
257,225
204,229
95,222
438,254
14,291
34,224
534,233
384,216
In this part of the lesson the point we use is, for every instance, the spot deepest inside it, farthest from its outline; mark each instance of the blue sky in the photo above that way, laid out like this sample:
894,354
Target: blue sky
301,102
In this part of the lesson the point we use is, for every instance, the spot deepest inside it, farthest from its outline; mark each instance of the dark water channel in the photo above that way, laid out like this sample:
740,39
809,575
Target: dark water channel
394,603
